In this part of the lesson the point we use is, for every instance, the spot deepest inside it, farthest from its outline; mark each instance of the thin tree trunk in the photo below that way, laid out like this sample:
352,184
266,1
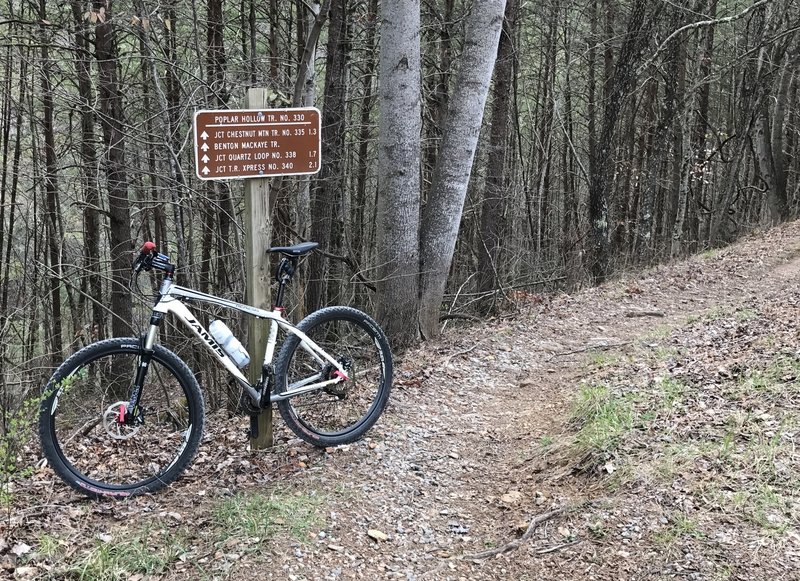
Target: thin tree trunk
361,205
494,203
327,192
598,256
54,330
89,164
112,123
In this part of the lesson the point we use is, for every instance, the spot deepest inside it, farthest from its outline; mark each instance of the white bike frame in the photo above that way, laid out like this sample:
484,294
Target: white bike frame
169,302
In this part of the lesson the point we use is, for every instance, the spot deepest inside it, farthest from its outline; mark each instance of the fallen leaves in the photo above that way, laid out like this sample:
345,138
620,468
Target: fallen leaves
21,549
377,535
512,497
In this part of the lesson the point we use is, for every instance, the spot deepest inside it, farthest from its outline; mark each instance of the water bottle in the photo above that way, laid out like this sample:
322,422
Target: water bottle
230,344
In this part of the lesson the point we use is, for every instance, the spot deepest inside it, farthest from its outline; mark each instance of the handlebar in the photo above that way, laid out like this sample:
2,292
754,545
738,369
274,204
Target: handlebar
149,258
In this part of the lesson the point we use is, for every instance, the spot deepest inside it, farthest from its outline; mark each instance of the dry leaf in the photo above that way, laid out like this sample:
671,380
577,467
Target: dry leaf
378,535
21,549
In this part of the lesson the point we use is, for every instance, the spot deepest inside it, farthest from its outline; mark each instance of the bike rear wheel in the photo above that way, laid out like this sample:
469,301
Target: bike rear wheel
83,438
343,412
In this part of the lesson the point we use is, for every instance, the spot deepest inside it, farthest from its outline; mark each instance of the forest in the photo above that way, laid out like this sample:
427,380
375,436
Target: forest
472,152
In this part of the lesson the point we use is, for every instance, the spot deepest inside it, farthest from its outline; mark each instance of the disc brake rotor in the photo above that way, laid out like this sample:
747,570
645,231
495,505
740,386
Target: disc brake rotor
114,427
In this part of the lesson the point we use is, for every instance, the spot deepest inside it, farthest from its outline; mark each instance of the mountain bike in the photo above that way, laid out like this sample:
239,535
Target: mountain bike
125,416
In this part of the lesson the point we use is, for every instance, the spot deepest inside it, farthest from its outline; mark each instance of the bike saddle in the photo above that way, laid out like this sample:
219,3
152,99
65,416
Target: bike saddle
296,249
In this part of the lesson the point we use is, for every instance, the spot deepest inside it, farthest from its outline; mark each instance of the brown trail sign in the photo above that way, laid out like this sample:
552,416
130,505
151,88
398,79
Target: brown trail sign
253,143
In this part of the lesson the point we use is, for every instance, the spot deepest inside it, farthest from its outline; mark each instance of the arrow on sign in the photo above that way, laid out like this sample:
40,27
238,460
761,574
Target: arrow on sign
204,135
206,171
205,159
205,147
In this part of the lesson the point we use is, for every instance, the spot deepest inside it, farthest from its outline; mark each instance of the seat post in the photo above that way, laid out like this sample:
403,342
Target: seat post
288,265
286,269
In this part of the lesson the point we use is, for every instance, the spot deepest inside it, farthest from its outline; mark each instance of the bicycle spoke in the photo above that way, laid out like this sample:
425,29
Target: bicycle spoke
339,411
100,447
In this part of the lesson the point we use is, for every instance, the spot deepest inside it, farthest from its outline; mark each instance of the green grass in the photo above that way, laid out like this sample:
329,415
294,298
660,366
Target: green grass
777,379
762,505
710,254
600,358
149,552
745,314
260,516
718,313
658,333
671,392
598,530
676,458
603,419
49,546
680,527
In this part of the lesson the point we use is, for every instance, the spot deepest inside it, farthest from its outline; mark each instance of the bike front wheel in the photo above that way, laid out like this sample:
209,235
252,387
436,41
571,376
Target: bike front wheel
342,412
91,448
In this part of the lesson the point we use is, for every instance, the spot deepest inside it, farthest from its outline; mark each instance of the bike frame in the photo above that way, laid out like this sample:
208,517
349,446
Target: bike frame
169,302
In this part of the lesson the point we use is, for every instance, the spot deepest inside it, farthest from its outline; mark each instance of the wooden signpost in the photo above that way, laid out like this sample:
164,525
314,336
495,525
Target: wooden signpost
254,144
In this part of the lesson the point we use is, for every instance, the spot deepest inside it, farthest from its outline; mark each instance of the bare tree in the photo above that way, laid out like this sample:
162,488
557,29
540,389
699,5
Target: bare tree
113,125
398,169
442,215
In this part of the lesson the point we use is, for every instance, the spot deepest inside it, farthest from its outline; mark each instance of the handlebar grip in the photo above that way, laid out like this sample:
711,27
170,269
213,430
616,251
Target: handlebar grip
145,256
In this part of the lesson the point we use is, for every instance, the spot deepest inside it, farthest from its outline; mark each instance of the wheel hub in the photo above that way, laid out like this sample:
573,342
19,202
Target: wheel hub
117,425
340,389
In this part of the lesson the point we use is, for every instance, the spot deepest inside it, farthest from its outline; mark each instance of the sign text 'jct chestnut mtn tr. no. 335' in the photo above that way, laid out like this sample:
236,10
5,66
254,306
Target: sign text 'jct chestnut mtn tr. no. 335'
253,143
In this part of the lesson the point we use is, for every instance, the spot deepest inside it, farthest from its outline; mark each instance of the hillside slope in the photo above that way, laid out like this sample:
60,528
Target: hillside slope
645,429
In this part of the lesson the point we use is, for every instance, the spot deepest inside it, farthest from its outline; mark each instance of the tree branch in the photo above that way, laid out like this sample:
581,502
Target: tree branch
311,42
700,24
535,522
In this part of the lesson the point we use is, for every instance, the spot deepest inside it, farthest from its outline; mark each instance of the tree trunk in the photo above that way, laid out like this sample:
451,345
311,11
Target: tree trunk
112,122
637,35
694,179
437,64
361,220
88,155
327,192
442,215
54,329
398,171
494,203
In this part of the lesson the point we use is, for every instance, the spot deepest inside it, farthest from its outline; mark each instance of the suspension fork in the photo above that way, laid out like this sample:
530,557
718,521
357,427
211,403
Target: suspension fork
145,356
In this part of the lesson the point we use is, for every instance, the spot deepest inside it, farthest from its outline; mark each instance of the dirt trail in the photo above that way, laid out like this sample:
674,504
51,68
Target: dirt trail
455,466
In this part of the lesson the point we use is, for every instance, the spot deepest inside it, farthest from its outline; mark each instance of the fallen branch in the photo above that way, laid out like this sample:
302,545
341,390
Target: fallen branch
463,316
590,348
535,522
631,314
558,547
464,352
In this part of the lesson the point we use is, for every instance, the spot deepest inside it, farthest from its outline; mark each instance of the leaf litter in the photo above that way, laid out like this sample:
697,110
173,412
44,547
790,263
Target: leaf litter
645,428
